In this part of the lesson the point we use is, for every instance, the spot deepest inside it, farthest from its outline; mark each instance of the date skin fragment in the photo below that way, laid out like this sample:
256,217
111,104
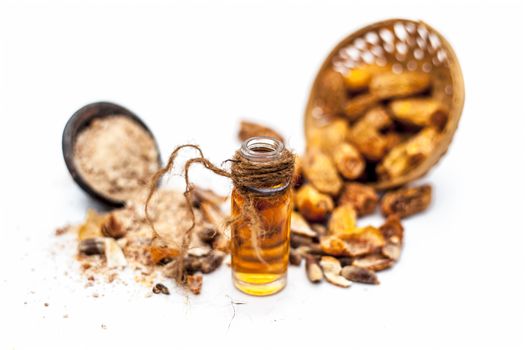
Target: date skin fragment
406,201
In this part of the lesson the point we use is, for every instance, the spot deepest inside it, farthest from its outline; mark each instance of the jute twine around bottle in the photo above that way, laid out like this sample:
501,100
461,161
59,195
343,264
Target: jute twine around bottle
246,176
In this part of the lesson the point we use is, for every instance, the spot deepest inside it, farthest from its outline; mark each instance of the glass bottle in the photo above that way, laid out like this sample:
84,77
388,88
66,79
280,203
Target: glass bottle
260,251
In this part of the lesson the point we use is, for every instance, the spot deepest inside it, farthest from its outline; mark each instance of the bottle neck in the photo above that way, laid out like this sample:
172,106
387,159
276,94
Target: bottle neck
264,152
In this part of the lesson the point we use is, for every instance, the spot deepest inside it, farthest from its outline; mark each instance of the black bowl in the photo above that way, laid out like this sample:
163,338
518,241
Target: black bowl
81,119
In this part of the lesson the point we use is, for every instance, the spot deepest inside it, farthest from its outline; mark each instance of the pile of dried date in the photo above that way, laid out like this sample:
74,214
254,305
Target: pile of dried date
377,125
369,125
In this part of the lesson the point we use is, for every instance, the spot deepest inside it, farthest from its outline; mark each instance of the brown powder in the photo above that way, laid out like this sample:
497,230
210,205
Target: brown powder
116,156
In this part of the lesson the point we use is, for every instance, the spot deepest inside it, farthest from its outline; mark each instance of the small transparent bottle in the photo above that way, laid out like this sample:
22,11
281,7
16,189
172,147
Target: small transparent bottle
260,252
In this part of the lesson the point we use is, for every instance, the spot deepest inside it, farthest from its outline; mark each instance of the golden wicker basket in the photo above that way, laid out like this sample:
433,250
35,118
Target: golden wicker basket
404,45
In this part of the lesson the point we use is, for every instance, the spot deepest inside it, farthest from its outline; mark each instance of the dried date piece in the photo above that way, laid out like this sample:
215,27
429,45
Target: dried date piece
313,270
359,274
406,201
374,262
348,161
331,270
297,241
326,136
343,220
419,112
363,198
361,241
331,92
357,79
312,204
366,136
357,106
300,227
322,173
408,155
250,129
388,85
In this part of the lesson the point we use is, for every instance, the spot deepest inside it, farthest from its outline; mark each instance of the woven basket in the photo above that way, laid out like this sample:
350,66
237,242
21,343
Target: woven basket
405,45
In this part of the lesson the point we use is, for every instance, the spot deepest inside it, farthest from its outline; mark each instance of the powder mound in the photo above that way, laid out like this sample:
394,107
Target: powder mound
116,156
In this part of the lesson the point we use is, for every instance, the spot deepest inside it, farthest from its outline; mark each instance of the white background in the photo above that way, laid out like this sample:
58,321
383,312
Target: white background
191,71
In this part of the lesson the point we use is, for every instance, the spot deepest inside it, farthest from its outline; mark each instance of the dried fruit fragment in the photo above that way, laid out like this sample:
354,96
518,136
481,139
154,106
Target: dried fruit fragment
406,201
92,226
300,227
194,283
212,261
343,220
392,251
359,274
114,254
366,137
331,92
361,241
419,111
312,204
363,198
202,195
359,78
374,262
392,229
408,155
364,240
250,129
322,173
112,227
334,245
348,161
91,246
160,252
388,85
326,136
160,288
295,257
313,270
331,270
358,105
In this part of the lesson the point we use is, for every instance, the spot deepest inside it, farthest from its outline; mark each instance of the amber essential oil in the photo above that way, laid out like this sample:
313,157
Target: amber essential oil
260,252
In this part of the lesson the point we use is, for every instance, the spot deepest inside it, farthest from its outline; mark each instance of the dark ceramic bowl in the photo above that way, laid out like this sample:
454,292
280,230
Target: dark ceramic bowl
78,121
